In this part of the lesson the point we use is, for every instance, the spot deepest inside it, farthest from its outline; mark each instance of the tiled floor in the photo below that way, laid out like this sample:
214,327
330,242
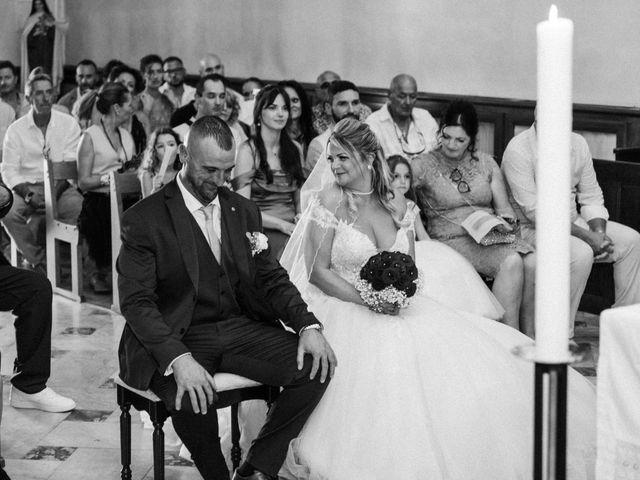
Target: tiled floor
85,443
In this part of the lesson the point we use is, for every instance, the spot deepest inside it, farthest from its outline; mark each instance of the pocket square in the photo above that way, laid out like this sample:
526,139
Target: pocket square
258,242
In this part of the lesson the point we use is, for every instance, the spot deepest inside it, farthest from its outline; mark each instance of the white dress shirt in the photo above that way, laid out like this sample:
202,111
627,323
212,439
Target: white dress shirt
23,146
422,135
519,167
188,94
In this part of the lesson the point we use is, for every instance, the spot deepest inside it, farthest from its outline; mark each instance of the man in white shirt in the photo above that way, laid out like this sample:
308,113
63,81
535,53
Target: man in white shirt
86,78
174,88
343,100
401,127
42,131
593,237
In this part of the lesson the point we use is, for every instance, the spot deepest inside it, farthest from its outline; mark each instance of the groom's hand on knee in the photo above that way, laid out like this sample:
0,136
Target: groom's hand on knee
314,343
192,378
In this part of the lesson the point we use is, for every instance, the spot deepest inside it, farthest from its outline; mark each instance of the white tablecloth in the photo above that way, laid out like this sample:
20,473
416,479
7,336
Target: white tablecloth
619,395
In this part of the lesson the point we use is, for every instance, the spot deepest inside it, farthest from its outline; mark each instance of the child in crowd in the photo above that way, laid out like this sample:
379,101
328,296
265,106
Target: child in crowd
162,142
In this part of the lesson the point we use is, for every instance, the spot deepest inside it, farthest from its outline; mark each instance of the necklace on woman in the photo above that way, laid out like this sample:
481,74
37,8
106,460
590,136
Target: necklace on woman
356,192
106,134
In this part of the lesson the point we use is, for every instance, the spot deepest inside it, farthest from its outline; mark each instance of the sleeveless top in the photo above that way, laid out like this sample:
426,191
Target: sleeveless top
105,158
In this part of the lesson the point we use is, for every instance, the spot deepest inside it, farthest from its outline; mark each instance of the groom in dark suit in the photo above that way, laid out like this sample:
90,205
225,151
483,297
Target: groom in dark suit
202,293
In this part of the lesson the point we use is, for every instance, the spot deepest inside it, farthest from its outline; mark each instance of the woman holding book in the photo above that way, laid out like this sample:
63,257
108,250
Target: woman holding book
463,195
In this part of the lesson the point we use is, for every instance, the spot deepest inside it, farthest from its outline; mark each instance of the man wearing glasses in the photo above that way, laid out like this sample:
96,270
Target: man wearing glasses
401,128
174,87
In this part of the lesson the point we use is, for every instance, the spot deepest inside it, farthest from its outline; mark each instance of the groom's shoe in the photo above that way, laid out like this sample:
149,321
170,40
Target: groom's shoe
256,475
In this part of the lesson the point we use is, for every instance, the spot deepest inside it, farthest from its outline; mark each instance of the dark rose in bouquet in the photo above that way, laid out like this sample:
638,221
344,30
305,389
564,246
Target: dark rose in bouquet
388,277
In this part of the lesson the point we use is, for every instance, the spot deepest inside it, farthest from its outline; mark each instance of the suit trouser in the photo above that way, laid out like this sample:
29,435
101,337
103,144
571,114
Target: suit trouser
28,295
626,266
258,351
27,226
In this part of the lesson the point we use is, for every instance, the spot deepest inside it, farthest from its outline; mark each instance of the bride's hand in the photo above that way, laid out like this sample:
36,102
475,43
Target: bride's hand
287,227
390,308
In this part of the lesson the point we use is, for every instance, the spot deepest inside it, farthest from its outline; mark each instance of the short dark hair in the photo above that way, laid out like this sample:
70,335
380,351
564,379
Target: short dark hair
212,127
148,60
340,86
7,64
87,63
110,94
172,59
214,77
254,80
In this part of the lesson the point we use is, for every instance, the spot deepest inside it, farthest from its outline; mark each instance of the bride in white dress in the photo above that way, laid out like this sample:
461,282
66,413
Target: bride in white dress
428,392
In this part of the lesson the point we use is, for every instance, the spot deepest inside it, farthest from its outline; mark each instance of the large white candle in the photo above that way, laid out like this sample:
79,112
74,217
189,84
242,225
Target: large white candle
553,125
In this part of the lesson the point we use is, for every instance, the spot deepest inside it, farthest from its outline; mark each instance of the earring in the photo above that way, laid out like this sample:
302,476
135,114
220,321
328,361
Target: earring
369,167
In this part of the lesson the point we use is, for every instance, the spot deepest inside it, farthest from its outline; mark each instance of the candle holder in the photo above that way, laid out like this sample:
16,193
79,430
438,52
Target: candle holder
550,412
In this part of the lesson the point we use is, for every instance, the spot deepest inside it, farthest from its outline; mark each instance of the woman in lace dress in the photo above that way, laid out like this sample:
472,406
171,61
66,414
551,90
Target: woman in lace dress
455,180
424,392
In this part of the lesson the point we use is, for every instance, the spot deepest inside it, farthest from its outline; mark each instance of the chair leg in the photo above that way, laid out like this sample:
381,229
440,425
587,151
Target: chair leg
236,451
158,449
125,440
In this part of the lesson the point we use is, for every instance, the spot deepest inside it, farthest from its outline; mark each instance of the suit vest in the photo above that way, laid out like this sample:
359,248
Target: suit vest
216,298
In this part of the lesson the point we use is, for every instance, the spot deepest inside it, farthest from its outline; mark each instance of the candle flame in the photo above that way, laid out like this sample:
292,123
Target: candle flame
553,13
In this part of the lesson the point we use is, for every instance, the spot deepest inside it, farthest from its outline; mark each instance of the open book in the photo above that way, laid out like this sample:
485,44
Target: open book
479,223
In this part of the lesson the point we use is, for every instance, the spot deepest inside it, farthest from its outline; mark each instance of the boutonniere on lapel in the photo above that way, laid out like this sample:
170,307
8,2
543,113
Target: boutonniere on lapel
258,242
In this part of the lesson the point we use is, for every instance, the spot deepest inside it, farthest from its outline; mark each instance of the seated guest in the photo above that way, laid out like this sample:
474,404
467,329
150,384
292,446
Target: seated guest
593,236
104,147
322,119
162,142
343,98
250,88
300,127
28,295
9,89
156,106
401,127
174,88
454,181
42,131
7,116
108,68
86,79
211,99
269,168
138,125
209,64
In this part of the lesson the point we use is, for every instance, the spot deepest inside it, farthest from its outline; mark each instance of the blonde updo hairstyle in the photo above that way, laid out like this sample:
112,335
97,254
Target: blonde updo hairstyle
361,143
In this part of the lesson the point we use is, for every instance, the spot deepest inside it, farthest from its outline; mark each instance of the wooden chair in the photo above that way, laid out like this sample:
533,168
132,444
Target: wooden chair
58,231
122,185
231,390
3,474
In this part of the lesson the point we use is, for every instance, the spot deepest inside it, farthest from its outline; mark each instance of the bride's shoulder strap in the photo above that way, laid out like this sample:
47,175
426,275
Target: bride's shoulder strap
323,206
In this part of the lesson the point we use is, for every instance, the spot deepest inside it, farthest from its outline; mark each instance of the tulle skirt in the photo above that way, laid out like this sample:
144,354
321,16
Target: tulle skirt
451,280
433,393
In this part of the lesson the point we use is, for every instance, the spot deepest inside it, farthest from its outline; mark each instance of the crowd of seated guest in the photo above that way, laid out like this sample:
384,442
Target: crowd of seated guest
138,118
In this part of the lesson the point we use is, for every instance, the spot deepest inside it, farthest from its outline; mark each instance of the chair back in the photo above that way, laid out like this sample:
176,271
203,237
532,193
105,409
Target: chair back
121,185
54,172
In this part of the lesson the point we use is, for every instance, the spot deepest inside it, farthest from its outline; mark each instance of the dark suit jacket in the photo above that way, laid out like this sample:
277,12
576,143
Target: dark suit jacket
158,279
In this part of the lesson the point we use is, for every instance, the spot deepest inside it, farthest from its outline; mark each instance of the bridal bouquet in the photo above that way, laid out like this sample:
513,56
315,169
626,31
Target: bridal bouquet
388,277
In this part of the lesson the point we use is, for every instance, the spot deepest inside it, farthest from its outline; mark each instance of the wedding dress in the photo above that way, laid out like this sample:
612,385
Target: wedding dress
432,393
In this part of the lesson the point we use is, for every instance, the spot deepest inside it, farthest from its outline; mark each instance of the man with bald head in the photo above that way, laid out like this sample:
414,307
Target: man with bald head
401,127
211,63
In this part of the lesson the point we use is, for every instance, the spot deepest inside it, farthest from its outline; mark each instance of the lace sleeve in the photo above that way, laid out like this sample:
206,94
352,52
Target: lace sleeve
320,215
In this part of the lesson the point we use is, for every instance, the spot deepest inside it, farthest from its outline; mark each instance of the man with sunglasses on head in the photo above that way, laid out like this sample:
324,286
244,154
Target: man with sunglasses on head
174,87
342,101
401,127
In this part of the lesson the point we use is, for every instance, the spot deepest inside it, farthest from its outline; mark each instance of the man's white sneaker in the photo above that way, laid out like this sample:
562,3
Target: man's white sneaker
46,400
